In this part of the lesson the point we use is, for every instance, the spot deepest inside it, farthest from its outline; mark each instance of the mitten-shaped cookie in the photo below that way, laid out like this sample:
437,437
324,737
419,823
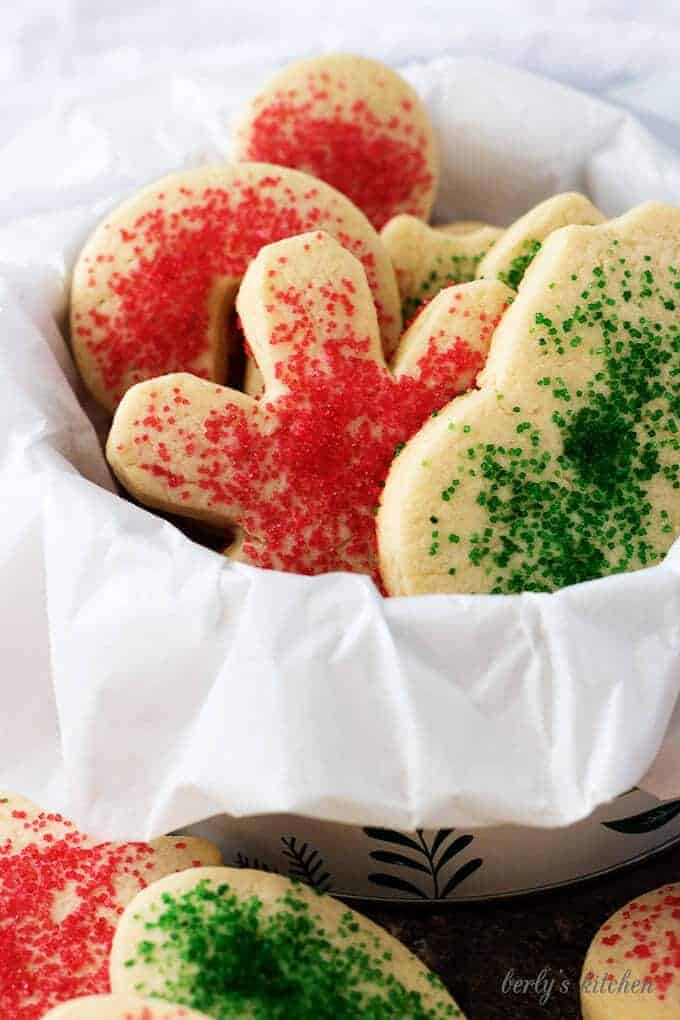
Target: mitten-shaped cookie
352,122
300,469
426,259
61,894
239,943
511,256
565,465
154,285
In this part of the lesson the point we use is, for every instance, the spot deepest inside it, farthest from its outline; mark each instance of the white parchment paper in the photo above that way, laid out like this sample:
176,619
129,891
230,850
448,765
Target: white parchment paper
147,683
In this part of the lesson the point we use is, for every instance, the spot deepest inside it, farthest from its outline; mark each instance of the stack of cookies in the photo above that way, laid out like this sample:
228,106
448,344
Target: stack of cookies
175,936
162,931
453,408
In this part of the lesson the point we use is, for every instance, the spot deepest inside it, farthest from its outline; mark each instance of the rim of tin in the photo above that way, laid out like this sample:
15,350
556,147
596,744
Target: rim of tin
396,901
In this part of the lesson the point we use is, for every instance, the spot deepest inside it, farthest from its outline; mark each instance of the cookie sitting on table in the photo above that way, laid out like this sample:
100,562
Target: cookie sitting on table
61,894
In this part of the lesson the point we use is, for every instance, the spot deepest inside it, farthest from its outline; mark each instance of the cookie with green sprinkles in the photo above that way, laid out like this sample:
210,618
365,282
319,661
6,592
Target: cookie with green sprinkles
121,1007
427,259
565,465
510,258
241,943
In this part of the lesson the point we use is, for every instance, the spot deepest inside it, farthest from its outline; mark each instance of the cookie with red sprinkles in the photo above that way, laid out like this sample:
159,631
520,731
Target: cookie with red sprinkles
61,894
121,1007
352,122
632,969
154,287
299,470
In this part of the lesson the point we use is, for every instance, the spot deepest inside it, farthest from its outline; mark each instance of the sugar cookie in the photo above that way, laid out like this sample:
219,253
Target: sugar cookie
509,259
231,941
564,466
300,469
632,970
253,383
422,263
352,122
60,897
425,259
121,1007
155,283
464,227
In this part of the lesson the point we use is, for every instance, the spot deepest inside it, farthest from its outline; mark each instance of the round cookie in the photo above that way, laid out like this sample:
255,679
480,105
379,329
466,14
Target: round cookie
227,941
564,465
510,257
299,470
425,259
632,969
61,894
353,123
121,1007
154,286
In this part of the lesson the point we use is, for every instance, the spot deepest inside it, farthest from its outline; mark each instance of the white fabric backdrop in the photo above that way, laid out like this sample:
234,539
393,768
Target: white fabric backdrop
591,44
622,49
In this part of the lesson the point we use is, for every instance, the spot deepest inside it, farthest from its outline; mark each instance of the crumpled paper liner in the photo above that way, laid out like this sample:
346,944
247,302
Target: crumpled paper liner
148,683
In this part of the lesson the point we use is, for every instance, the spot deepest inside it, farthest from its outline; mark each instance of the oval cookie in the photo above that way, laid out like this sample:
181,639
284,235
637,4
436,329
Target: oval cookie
511,256
632,969
426,259
154,286
352,122
229,941
564,466
121,1007
61,894
299,470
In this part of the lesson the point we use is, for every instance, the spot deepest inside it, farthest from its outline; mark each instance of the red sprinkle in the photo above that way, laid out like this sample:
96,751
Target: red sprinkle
303,474
59,904
655,939
161,321
377,161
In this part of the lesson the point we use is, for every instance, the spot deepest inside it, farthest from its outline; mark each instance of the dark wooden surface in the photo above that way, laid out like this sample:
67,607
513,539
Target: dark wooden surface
472,947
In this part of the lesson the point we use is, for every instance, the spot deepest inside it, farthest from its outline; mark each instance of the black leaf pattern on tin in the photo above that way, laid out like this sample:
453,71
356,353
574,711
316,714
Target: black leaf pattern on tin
431,860
646,821
244,861
305,864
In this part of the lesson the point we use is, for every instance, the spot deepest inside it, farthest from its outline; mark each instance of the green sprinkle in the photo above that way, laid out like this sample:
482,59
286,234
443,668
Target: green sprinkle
560,516
230,958
519,265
